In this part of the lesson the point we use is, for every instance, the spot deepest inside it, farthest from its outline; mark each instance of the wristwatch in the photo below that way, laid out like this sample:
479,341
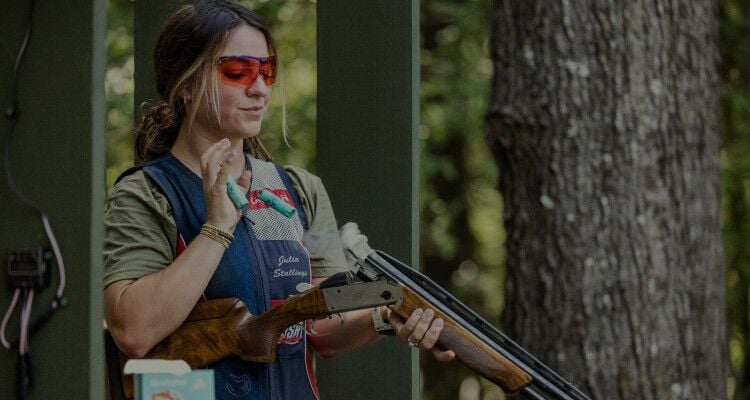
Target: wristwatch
381,326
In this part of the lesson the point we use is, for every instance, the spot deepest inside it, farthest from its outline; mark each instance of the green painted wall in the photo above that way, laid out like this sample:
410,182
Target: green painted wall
368,118
57,159
148,20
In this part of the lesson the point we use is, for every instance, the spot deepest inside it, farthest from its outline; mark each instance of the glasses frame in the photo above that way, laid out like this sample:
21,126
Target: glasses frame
262,60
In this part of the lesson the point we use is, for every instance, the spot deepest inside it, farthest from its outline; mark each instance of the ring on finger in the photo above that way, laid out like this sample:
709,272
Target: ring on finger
412,342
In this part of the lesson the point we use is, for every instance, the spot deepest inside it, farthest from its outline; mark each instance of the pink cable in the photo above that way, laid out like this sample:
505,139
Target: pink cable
58,255
26,306
21,341
23,346
7,317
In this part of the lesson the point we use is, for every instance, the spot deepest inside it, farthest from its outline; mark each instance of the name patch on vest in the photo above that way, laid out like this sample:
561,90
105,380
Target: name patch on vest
289,273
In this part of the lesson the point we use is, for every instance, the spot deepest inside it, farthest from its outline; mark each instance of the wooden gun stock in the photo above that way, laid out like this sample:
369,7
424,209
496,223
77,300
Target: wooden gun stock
219,328
470,350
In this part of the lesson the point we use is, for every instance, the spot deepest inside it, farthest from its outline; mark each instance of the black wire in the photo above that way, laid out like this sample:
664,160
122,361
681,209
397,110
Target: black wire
25,366
13,113
35,325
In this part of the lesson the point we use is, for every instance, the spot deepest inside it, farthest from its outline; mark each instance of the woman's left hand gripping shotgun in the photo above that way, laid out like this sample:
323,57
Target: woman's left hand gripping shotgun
476,343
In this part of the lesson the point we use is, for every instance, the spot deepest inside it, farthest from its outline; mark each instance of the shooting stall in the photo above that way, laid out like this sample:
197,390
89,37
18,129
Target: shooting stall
368,107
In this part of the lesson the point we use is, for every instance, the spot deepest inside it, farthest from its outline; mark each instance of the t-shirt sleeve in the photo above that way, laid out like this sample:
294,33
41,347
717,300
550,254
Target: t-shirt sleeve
140,236
322,238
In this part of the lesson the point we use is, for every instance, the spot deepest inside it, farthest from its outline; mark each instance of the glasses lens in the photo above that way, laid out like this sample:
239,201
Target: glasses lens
243,71
239,71
268,69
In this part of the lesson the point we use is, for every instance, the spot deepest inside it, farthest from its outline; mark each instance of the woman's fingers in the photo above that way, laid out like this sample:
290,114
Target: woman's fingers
421,327
215,168
443,355
406,329
431,336
244,180
210,162
220,186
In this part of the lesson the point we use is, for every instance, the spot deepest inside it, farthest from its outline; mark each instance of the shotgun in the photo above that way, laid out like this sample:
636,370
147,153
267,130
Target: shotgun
220,328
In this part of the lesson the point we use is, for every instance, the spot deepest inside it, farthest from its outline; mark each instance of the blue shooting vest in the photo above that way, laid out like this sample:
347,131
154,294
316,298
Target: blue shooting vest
262,267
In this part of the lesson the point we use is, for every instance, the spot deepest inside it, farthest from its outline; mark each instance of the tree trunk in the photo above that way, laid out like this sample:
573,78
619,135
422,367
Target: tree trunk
604,120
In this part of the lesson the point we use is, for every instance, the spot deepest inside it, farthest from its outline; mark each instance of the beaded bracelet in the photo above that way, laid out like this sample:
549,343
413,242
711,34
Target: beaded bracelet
220,235
215,238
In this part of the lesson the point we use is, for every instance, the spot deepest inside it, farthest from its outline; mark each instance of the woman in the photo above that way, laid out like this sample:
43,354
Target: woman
173,236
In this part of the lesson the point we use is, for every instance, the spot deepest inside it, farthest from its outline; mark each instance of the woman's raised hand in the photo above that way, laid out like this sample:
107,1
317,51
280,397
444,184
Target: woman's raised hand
215,166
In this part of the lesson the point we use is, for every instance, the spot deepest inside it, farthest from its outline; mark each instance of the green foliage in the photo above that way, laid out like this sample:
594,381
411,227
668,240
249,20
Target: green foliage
462,236
735,171
293,26
459,176
119,88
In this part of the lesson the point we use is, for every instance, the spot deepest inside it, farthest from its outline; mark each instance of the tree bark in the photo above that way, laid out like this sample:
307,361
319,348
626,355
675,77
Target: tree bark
604,120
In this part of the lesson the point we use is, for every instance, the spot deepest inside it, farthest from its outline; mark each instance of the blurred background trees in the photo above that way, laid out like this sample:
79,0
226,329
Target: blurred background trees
462,243
735,163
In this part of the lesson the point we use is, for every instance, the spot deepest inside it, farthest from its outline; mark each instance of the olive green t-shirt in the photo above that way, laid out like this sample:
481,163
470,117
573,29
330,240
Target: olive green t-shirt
140,234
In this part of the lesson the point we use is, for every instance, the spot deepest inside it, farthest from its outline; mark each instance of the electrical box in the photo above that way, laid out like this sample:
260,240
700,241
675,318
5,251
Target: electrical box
29,268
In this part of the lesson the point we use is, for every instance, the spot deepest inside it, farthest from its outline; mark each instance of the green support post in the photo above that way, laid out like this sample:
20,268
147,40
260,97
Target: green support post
149,18
368,157
57,160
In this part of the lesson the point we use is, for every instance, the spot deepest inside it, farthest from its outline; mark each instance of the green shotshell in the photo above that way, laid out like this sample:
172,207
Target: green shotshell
276,203
235,193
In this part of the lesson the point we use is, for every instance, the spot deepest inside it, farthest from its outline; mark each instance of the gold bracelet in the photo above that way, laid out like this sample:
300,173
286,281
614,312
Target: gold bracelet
223,237
224,233
218,231
215,238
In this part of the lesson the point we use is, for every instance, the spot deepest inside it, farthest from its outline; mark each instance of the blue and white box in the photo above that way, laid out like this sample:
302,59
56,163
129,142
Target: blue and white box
170,380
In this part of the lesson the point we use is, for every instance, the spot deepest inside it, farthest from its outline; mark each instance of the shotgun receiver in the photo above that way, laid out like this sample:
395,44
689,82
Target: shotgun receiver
220,328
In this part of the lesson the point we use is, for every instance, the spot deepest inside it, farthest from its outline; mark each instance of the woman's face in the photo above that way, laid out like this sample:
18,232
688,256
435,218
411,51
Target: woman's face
241,106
